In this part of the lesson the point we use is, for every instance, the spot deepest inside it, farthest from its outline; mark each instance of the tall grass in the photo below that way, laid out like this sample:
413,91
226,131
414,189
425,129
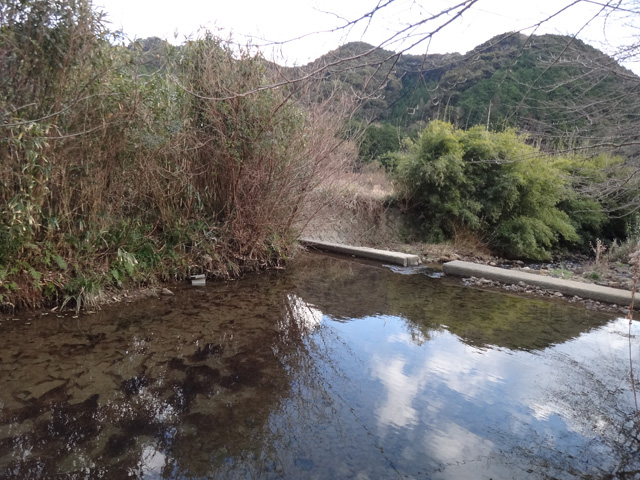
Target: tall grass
259,155
110,174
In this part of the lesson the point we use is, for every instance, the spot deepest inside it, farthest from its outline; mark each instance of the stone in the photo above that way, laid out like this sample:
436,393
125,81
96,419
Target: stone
166,291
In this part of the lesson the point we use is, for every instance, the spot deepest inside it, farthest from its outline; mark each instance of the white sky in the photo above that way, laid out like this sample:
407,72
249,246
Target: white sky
282,20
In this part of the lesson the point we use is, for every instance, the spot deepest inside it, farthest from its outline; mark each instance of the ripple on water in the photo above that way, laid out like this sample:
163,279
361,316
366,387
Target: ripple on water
333,369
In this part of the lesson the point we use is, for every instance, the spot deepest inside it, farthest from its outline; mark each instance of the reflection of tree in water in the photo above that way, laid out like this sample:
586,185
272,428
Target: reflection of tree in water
320,423
227,381
482,319
182,386
594,394
578,419
479,318
335,286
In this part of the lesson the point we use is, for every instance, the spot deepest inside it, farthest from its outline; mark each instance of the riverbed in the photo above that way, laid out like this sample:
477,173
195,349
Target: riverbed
334,368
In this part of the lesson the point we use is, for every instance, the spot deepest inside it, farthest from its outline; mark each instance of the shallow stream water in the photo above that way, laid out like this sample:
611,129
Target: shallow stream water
332,369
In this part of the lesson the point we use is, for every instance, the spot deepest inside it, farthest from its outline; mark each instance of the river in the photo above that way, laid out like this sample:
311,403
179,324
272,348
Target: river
334,368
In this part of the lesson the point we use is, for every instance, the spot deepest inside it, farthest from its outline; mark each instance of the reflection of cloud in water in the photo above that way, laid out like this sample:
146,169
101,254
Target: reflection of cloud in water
448,364
401,390
406,339
462,405
469,375
413,403
543,411
594,366
451,443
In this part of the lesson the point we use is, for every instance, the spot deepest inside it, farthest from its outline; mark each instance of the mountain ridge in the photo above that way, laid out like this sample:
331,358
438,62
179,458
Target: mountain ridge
552,86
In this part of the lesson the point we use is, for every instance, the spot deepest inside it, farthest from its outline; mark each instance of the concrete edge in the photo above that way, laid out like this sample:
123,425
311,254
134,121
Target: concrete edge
568,287
386,256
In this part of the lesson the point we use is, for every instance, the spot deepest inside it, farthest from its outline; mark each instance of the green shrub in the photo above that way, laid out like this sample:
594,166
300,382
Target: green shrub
377,142
431,177
491,183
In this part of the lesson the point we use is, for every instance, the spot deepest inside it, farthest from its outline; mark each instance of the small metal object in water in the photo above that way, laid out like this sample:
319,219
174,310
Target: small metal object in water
198,280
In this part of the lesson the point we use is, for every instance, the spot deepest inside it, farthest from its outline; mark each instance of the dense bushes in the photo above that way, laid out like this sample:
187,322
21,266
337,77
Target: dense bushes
521,201
377,141
111,174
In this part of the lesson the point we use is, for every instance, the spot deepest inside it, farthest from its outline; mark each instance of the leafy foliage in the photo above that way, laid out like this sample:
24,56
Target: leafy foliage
122,165
566,95
495,184
562,91
378,141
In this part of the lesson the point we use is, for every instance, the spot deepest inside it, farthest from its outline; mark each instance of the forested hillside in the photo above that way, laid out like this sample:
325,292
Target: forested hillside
558,89
561,91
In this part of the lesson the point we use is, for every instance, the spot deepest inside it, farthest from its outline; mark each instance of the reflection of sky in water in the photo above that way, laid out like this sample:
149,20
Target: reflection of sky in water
343,371
458,411
152,462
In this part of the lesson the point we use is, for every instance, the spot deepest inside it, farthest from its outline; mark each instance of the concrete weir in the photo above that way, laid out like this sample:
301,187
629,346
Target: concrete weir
567,287
386,256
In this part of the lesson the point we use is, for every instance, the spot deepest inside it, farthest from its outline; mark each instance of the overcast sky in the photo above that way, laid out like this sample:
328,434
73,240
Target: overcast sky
283,20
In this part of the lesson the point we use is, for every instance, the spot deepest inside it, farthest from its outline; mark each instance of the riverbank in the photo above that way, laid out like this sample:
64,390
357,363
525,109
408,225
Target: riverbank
372,222
577,268
611,269
539,284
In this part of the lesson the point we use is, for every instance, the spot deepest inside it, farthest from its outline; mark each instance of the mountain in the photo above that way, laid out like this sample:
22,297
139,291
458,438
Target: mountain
562,91
555,87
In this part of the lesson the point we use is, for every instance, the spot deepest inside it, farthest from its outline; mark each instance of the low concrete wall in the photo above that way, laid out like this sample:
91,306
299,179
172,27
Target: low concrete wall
568,287
386,256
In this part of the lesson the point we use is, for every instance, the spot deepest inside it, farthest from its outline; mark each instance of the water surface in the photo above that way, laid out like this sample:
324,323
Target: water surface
332,369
